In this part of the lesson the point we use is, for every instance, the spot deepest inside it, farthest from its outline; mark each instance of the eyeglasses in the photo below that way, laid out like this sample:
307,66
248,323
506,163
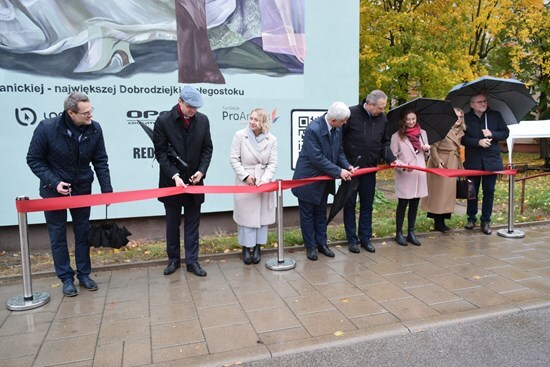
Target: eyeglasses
480,102
85,114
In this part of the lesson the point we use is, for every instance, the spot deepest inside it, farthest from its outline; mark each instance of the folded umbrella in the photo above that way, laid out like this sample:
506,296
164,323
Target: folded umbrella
107,234
508,96
435,116
345,190
171,151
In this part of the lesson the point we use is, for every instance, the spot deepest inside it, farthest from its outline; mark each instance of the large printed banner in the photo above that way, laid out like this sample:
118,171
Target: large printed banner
132,57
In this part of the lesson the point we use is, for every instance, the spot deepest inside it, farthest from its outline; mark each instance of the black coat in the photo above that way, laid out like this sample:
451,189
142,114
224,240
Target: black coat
367,137
193,145
52,157
479,158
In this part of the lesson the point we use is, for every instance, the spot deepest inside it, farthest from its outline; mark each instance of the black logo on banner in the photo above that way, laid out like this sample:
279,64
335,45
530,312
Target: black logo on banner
25,116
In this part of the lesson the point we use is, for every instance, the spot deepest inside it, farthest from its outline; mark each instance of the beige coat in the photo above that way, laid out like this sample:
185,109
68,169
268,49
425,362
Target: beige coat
441,197
253,210
409,184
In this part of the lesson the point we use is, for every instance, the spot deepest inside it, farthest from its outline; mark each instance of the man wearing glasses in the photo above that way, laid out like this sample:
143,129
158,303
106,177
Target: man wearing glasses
484,129
183,148
60,153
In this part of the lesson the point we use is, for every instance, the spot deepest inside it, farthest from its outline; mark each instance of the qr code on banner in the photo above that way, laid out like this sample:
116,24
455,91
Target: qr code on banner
300,121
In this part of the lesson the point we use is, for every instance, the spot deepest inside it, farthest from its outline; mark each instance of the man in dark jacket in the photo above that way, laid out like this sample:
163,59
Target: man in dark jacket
321,154
365,143
484,129
183,148
60,154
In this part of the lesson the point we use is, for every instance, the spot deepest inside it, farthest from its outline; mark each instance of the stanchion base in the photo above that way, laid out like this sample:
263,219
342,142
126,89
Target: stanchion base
18,303
510,234
274,264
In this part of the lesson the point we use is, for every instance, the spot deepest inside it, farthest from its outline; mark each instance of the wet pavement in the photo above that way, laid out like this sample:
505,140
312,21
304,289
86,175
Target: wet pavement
139,317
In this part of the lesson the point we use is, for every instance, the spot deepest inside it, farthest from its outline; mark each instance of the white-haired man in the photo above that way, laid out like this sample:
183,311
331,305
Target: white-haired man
322,154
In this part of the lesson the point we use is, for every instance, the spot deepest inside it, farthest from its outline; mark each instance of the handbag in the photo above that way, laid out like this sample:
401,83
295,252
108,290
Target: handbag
465,189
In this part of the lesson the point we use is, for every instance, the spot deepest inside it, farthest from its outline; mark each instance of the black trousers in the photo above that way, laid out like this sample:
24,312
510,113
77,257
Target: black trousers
411,215
192,216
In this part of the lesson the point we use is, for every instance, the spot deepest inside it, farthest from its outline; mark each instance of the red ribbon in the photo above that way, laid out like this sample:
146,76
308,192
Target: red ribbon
79,201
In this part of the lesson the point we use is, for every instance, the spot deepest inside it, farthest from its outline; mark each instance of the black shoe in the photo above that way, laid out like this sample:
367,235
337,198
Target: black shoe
411,237
486,228
447,229
470,225
400,239
441,227
368,246
247,259
325,250
87,282
353,248
311,253
172,266
257,256
69,289
196,269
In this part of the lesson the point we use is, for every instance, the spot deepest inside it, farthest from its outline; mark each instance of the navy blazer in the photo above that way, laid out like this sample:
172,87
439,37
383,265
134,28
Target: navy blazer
478,158
319,157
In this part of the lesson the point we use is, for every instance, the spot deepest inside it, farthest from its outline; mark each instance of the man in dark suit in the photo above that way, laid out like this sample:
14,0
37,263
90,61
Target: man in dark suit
184,133
60,154
322,154
484,129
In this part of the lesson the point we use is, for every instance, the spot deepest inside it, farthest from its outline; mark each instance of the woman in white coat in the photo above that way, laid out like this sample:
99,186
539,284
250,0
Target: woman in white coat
409,145
254,160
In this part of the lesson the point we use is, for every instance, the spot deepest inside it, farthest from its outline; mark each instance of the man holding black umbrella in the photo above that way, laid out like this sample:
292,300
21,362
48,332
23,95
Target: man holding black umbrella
484,129
60,154
365,143
321,154
186,132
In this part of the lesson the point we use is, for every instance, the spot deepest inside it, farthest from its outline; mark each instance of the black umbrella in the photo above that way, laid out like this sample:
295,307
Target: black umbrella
344,192
107,234
434,115
171,151
508,96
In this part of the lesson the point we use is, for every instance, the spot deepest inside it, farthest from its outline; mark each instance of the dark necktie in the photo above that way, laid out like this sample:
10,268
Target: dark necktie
186,122
332,135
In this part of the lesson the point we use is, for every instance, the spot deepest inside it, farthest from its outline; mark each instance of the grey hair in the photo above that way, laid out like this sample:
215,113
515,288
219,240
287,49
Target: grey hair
338,111
376,95
71,102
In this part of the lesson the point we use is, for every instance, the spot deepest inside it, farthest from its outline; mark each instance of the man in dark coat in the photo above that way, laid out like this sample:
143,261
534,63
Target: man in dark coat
484,129
184,132
322,154
365,143
60,154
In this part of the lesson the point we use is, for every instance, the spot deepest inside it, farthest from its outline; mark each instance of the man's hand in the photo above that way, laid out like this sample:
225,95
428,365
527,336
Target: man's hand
64,188
345,175
196,178
487,133
485,143
179,182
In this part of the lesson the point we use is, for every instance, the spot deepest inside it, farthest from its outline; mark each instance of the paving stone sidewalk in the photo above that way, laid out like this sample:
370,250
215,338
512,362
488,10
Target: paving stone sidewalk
139,317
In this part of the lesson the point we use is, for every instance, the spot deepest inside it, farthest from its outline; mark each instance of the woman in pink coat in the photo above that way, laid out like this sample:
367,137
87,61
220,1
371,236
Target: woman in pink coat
409,145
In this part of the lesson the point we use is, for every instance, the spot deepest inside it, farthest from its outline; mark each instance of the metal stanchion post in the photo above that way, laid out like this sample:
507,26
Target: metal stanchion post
511,232
280,263
28,300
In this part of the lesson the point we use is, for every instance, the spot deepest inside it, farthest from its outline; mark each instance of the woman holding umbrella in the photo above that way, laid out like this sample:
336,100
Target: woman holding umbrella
254,160
440,202
409,145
